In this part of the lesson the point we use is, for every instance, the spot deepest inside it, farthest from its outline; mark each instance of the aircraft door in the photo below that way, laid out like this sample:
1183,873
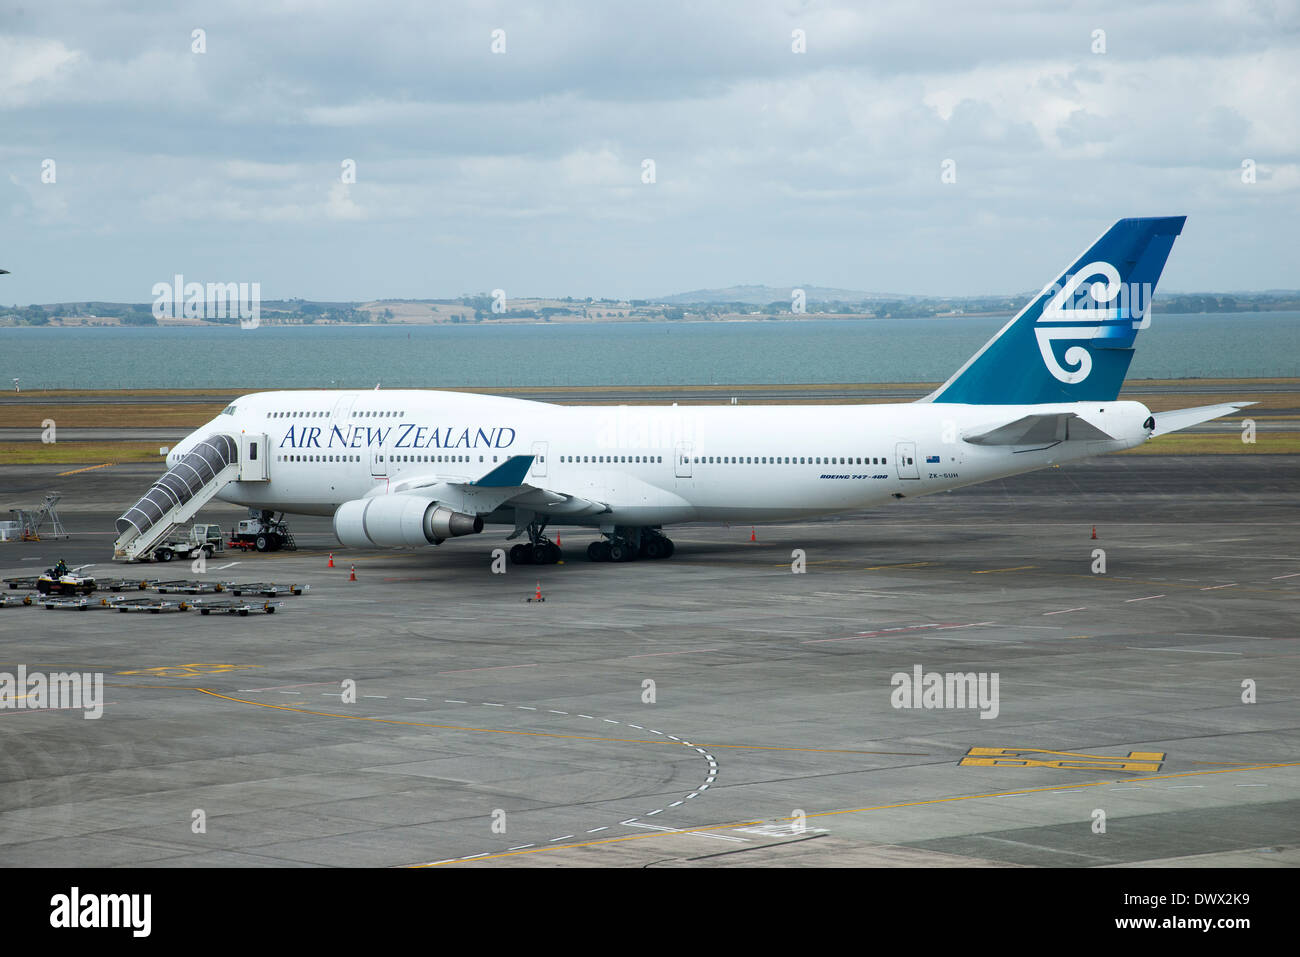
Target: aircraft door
905,459
343,409
682,459
539,460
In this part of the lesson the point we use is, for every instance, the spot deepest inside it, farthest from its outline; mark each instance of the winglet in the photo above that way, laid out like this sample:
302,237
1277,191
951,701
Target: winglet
508,474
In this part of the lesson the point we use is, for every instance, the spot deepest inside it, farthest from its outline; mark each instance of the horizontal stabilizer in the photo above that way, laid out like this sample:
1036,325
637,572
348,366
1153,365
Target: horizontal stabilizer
1184,418
1040,430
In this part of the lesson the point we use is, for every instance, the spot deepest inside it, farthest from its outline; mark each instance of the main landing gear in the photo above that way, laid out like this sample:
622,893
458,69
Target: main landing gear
540,550
625,544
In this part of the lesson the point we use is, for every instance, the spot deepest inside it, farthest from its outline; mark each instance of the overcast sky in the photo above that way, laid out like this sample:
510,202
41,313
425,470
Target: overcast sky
523,170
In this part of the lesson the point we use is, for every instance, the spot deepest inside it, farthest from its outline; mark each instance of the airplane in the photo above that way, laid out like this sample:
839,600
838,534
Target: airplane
408,468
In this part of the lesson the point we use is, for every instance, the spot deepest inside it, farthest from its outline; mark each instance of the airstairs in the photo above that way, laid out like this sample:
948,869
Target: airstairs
184,489
29,522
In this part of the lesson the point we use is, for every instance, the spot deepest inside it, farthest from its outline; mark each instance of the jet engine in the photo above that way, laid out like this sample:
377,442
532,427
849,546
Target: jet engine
394,521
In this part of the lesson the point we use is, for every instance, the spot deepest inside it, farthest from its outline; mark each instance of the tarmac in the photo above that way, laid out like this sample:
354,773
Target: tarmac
721,708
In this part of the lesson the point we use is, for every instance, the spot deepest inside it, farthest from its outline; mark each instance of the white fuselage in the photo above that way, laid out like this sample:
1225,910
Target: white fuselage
651,465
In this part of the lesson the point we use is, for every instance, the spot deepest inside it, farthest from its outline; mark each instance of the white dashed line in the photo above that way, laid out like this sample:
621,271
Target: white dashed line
1147,598
1214,587
630,822
1064,611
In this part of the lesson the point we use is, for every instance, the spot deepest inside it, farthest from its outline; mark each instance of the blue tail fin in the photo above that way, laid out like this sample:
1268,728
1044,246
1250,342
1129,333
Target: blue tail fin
1074,341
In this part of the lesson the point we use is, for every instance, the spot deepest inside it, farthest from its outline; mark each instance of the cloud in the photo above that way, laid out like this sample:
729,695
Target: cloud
771,166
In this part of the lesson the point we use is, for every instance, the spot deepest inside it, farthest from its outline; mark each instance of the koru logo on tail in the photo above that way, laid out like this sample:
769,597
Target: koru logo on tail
1107,308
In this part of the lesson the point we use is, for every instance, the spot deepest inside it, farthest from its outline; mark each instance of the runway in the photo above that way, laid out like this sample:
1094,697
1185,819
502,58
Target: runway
715,709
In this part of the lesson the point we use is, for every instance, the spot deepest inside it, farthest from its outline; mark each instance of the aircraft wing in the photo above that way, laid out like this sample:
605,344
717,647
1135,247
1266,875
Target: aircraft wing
1039,430
1183,418
503,486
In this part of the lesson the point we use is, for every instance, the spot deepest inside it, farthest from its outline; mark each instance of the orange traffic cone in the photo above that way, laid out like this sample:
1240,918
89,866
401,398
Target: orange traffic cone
752,536
538,596
557,539
331,564
1094,533
353,575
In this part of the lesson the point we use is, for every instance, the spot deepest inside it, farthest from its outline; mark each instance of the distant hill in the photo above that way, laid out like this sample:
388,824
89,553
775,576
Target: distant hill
762,295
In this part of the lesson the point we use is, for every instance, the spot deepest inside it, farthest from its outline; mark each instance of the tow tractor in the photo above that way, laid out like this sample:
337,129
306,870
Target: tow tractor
263,531
203,538
59,580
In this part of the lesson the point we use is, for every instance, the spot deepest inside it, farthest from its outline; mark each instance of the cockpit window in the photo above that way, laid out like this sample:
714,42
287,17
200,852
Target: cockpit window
228,410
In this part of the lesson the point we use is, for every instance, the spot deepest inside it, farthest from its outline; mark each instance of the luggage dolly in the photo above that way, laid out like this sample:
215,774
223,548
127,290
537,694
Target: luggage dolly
77,603
188,587
13,601
232,607
20,582
125,584
270,589
152,605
